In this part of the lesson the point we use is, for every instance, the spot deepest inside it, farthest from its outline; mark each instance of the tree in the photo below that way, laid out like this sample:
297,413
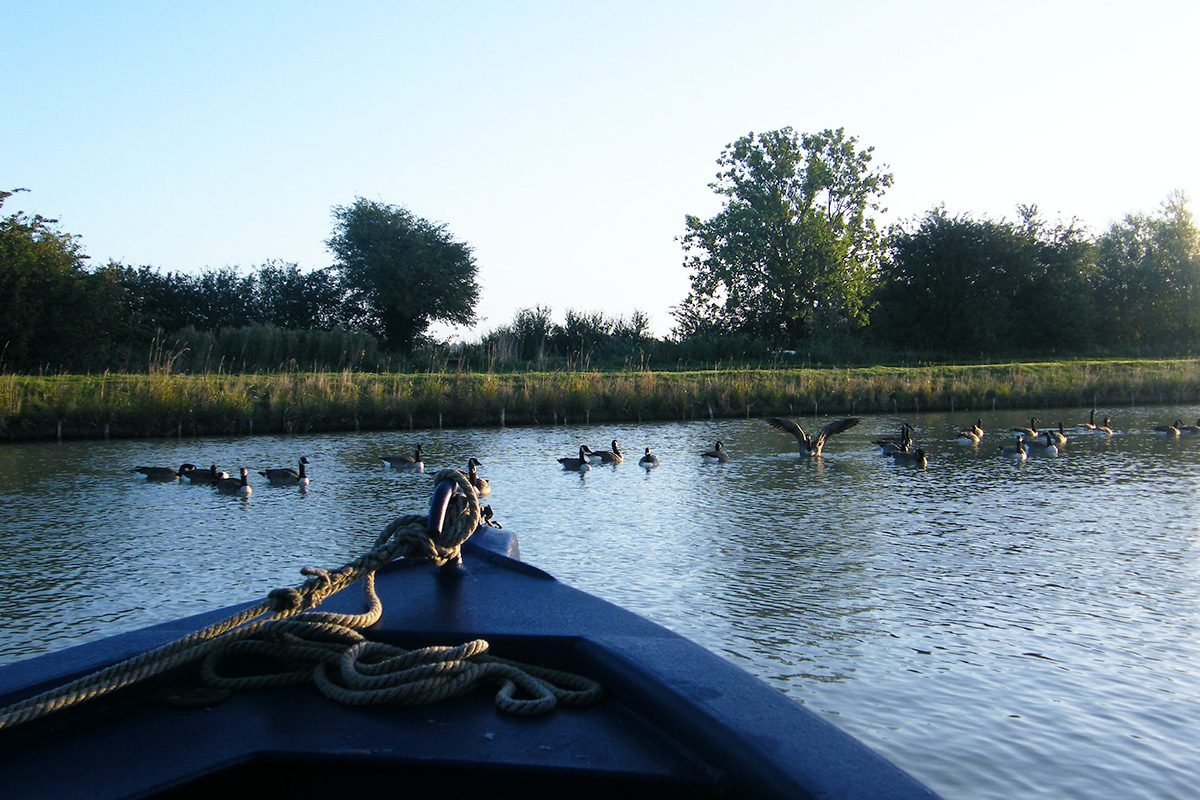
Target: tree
402,272
1148,284
794,250
957,284
295,300
53,310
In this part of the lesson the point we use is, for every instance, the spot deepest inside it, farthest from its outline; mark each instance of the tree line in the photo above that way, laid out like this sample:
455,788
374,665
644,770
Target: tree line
393,275
794,260
792,266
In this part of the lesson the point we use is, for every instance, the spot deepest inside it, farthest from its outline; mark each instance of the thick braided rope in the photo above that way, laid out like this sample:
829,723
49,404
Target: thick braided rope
299,638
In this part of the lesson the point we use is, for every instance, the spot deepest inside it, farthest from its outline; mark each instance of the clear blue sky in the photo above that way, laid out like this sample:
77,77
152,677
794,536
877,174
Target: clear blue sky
566,141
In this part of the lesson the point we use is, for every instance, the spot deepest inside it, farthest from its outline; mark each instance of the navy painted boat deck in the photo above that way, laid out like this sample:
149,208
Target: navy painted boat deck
675,720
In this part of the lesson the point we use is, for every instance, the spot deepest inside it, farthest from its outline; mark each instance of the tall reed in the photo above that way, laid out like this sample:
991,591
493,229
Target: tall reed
162,403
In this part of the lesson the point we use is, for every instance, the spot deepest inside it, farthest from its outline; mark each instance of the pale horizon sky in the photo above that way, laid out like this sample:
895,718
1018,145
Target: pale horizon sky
565,143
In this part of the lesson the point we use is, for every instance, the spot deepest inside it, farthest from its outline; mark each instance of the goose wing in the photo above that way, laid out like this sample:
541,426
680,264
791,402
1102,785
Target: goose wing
835,427
281,474
789,426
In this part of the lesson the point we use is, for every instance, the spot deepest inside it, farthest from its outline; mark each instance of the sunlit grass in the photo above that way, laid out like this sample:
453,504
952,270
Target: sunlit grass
164,404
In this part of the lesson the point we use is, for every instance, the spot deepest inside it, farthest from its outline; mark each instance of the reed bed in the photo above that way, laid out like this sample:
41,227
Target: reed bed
165,404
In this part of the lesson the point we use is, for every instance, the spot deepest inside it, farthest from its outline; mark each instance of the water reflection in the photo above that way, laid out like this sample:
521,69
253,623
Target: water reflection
998,629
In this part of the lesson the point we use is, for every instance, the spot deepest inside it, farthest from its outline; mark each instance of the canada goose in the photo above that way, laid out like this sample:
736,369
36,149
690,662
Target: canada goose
1189,429
1090,425
413,462
914,459
482,487
967,437
812,445
613,456
972,435
287,476
715,456
1059,437
1017,452
206,477
1031,432
889,446
488,518
1039,449
1168,430
1104,429
649,461
577,464
164,474
239,486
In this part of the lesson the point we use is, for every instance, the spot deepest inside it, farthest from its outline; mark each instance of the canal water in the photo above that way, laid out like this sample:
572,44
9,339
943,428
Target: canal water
998,630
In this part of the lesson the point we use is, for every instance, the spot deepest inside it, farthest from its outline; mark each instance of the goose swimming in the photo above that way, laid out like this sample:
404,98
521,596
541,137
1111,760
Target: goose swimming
207,477
1058,436
1039,449
412,463
1031,432
164,474
577,464
482,487
613,456
1171,431
649,461
287,476
1017,452
715,456
913,459
972,435
238,486
903,444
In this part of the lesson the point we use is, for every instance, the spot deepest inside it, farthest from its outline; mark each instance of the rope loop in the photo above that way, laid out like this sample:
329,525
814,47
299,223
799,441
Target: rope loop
295,643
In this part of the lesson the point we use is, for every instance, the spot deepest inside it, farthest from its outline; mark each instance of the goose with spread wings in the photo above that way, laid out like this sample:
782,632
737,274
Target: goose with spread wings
812,445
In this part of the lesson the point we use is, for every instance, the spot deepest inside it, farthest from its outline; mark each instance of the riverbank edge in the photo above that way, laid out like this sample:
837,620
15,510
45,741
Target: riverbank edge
36,408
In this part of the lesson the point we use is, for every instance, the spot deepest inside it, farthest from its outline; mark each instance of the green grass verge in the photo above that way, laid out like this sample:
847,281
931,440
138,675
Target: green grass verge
121,405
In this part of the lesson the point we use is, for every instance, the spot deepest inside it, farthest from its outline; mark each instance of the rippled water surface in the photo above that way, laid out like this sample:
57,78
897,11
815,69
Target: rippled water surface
997,630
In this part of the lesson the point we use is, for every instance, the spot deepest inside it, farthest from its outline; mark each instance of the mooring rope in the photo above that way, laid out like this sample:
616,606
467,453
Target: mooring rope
330,650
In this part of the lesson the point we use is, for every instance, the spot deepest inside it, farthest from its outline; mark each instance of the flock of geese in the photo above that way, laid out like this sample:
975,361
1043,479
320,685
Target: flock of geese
1031,442
589,458
809,445
416,463
288,477
222,481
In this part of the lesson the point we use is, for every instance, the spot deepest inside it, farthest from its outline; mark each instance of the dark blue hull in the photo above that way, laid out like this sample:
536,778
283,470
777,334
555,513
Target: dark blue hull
675,718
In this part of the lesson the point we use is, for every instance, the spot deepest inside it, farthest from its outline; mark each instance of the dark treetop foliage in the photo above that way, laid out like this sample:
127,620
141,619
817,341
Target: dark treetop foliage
402,272
793,252
278,294
1148,282
947,288
53,310
956,284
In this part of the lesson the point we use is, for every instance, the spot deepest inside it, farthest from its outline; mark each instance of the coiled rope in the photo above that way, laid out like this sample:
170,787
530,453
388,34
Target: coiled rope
329,649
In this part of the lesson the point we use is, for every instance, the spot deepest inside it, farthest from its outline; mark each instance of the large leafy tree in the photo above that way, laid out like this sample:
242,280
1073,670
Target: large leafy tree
54,311
402,272
1149,278
795,250
959,284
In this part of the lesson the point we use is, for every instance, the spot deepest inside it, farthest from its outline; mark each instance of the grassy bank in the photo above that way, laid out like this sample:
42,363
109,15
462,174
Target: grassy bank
94,406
